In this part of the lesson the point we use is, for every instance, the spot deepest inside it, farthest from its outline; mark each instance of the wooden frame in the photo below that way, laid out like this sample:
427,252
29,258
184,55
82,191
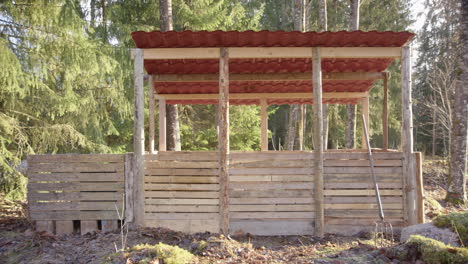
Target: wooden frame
151,115
274,52
330,95
264,125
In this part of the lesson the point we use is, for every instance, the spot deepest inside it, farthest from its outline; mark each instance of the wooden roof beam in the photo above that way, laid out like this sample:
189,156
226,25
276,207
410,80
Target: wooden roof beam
249,96
350,76
272,52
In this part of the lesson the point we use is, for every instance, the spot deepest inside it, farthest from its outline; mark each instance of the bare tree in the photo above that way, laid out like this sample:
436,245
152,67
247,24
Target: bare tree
351,109
323,26
172,115
456,192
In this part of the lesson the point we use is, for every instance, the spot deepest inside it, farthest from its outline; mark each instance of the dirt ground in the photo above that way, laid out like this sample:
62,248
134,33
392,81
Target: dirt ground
20,244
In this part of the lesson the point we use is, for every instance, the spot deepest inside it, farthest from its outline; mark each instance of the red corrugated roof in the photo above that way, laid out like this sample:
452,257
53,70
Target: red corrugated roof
190,39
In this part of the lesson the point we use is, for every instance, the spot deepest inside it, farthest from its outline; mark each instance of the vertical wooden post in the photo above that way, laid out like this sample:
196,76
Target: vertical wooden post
385,114
365,112
264,125
129,188
420,187
318,138
151,114
407,135
162,125
223,117
138,135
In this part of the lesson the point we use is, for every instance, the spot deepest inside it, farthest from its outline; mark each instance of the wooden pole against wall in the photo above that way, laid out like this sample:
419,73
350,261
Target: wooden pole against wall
365,112
223,139
385,113
264,125
407,136
138,136
151,114
318,138
162,125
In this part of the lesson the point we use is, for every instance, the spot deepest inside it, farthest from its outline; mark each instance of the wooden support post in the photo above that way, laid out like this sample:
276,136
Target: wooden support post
264,125
318,138
129,188
365,112
385,113
223,121
88,226
138,136
151,114
63,227
162,125
407,136
108,225
45,226
420,187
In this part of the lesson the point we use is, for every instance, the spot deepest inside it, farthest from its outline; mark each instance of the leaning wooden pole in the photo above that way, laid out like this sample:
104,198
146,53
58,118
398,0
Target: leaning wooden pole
385,113
318,138
138,136
162,125
407,137
223,121
151,115
365,125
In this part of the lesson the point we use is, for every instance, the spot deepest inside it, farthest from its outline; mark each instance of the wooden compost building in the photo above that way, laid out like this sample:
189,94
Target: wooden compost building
260,192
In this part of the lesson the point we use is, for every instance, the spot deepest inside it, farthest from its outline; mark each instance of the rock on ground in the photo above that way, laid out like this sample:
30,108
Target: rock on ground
429,230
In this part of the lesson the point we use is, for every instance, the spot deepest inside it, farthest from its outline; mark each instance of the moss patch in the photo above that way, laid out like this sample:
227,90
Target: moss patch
457,222
433,251
146,254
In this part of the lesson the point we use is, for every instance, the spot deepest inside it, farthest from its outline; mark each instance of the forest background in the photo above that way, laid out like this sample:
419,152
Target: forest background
66,76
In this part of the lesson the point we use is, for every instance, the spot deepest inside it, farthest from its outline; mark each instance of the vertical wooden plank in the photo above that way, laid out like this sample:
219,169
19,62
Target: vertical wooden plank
129,188
162,125
45,226
88,226
318,138
365,112
385,114
151,115
407,135
264,125
63,227
223,117
138,136
108,225
420,187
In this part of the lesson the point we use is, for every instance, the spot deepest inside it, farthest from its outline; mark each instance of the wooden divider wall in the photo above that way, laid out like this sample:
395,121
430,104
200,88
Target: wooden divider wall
67,187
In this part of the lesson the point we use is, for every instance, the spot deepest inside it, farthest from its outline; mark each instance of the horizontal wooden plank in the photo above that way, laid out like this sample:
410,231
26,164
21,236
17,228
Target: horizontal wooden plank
75,196
186,225
181,216
182,172
74,215
272,215
272,228
363,206
369,199
362,178
361,192
184,156
270,193
270,171
75,158
76,167
363,155
271,201
360,221
177,201
271,186
74,206
272,178
182,179
362,163
271,163
272,208
181,187
364,170
182,208
76,177
329,155
181,194
76,186
361,185
181,165
371,213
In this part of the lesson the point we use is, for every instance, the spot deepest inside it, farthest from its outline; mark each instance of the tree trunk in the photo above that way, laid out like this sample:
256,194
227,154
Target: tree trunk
351,109
323,26
172,118
456,192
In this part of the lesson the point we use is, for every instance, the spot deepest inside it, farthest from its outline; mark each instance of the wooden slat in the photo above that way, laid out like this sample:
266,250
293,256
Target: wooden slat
371,213
369,199
270,171
88,226
273,208
271,215
184,156
358,185
76,167
75,196
181,194
369,192
270,193
271,185
181,216
76,158
181,179
272,178
272,228
74,206
364,170
270,163
81,186
76,177
182,201
182,187
186,225
362,206
74,215
183,208
63,227
291,200
181,165
361,221
187,172
362,163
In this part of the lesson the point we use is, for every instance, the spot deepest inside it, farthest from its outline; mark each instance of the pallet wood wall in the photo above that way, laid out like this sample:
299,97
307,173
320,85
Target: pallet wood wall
67,187
182,191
